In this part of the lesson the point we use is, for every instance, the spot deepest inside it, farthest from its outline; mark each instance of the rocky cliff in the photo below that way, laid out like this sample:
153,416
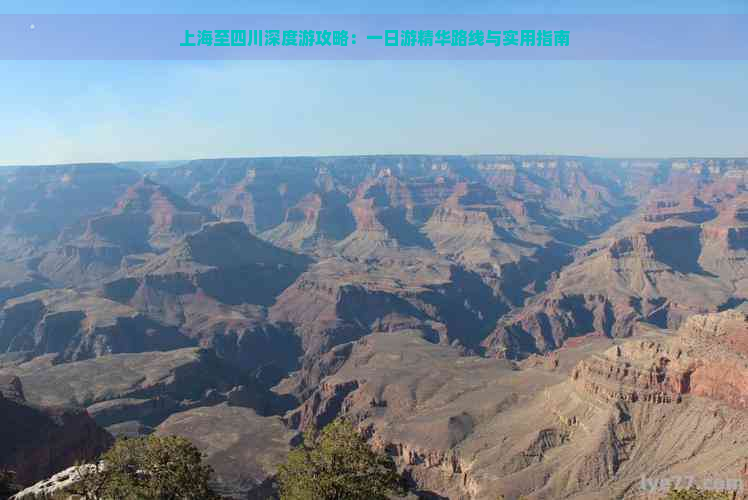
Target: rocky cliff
39,441
587,425
657,267
71,326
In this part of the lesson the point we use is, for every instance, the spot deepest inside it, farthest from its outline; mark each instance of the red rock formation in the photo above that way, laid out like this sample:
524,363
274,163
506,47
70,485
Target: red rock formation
701,360
168,216
365,216
148,217
657,272
261,198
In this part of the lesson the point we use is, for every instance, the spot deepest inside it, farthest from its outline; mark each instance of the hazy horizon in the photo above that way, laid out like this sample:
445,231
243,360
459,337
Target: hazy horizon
172,162
104,111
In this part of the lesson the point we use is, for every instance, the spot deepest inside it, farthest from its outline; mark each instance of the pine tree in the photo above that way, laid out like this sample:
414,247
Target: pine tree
337,464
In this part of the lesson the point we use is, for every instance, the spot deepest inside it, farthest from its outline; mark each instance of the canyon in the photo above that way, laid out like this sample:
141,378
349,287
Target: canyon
540,326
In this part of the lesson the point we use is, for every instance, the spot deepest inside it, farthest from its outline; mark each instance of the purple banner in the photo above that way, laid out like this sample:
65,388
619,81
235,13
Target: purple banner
374,37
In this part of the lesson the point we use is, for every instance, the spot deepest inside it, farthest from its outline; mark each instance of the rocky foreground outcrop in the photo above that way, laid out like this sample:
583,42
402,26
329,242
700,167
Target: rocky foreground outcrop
57,484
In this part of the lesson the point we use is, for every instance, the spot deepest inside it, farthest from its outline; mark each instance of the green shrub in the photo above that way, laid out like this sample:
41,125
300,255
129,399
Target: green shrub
337,464
149,468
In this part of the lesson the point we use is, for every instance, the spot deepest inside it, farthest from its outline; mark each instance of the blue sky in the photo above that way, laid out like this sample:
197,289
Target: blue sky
59,111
